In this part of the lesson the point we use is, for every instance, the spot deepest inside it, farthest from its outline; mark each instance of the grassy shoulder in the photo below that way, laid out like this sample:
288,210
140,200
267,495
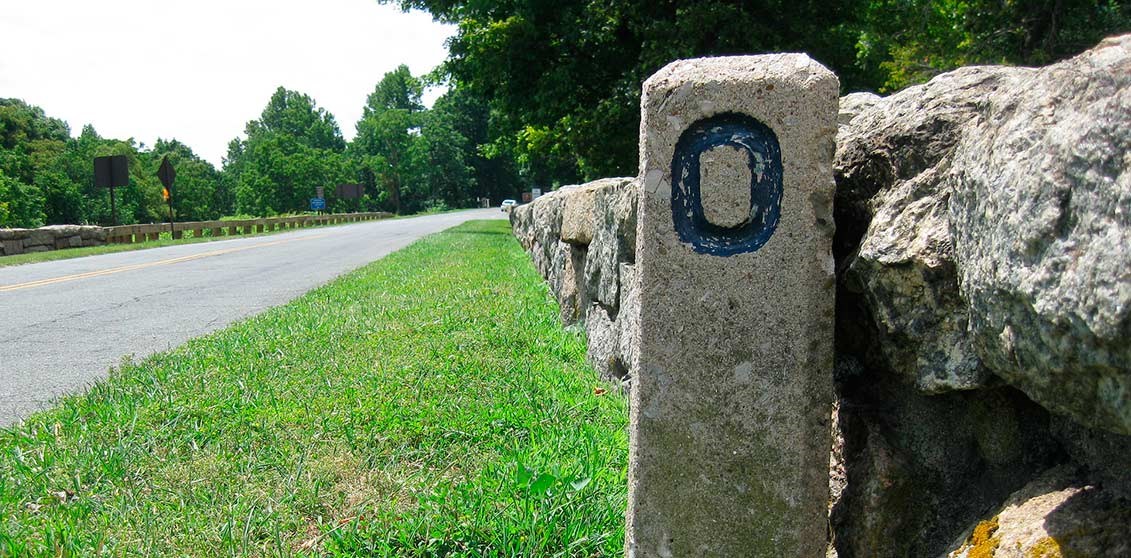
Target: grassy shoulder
428,404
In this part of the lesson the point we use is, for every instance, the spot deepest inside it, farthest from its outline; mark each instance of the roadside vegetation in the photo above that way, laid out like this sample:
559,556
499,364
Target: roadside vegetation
428,404
523,108
68,253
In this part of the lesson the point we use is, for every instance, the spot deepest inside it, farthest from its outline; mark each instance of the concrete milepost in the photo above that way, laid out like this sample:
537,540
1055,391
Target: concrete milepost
729,428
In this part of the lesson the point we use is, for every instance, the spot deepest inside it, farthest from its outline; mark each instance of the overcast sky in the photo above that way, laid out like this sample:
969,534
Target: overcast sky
198,70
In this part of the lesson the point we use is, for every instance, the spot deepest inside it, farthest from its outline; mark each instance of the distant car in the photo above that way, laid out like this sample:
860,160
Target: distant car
507,205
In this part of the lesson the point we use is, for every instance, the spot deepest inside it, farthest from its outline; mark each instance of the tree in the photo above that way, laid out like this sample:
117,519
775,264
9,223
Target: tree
291,149
21,123
562,79
30,142
21,205
449,177
386,145
909,41
495,174
196,195
398,89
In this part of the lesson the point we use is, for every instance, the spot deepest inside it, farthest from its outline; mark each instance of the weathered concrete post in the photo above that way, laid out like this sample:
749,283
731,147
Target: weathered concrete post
729,435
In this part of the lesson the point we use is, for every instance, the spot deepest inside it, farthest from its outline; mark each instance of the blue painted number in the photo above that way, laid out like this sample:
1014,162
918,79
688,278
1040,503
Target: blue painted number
764,158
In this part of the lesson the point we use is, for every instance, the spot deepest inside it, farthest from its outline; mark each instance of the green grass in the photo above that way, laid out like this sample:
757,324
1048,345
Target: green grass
428,404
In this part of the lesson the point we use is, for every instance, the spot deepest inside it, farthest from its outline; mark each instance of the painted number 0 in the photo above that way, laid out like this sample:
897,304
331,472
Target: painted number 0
763,155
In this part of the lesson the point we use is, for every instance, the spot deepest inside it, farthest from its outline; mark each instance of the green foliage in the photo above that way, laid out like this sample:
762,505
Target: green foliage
429,404
398,90
30,142
540,94
409,158
47,177
413,159
293,147
563,79
387,146
496,173
21,123
21,205
911,41
198,192
446,171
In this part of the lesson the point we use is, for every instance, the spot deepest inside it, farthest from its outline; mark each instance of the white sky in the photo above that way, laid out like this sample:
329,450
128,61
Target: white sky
198,70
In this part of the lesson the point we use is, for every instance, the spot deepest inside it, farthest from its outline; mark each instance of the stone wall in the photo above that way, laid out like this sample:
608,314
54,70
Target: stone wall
57,237
983,308
583,241
54,237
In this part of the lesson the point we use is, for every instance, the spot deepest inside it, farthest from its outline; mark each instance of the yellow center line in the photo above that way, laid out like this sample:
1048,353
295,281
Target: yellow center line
124,268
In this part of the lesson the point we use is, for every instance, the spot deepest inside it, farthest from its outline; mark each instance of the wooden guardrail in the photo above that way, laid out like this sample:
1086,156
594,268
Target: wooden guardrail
128,234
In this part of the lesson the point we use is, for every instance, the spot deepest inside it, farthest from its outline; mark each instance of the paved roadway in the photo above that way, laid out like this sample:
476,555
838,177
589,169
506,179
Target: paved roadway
63,324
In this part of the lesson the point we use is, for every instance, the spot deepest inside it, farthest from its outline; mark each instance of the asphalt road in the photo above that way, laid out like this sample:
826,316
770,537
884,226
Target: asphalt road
63,324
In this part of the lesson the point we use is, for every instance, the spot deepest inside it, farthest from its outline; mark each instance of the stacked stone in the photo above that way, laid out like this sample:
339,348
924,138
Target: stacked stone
582,240
983,311
54,237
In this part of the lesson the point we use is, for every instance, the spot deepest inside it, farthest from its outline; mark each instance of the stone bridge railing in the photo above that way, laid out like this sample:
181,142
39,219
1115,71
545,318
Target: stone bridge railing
58,237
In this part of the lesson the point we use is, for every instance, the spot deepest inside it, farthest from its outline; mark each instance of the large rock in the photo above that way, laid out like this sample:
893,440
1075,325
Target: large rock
892,211
922,468
1040,211
1058,514
855,103
611,332
62,231
90,233
957,245
39,238
1105,455
613,240
983,217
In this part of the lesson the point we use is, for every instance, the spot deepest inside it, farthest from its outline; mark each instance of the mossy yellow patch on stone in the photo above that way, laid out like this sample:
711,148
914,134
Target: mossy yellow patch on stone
983,543
1045,548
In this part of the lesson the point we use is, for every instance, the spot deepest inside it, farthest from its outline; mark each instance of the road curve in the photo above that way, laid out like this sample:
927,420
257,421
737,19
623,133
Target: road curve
65,323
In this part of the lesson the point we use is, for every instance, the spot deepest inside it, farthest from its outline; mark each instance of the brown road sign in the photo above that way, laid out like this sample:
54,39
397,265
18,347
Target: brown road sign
350,191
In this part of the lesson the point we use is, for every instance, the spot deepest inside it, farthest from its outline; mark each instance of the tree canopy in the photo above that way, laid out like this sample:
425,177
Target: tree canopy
292,148
46,176
538,94
563,78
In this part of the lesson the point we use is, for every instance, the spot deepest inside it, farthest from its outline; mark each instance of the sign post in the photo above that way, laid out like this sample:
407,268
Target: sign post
112,172
167,175
319,194
732,386
351,192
